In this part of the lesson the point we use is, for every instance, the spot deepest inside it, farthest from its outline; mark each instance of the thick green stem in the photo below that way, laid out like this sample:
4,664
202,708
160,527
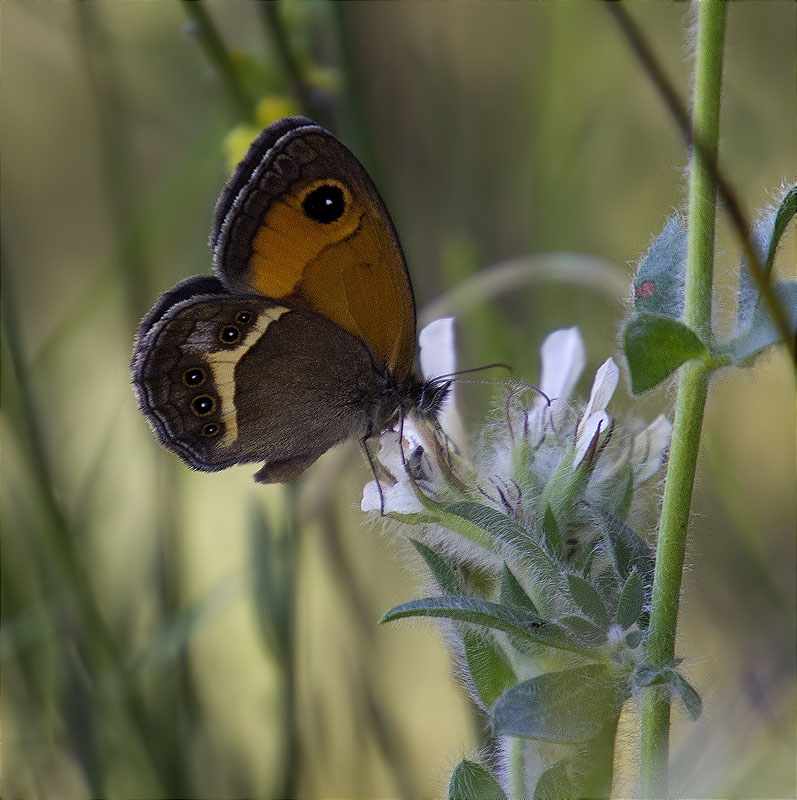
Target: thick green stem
692,387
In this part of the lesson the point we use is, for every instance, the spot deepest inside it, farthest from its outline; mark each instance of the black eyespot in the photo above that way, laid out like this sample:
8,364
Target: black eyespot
203,405
194,376
229,334
244,317
211,429
325,204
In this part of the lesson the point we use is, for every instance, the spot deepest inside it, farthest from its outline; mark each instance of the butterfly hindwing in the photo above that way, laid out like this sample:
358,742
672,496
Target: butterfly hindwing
227,379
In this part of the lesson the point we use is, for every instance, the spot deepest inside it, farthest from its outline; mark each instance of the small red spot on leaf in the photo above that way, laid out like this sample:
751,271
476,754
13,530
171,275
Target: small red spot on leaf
645,289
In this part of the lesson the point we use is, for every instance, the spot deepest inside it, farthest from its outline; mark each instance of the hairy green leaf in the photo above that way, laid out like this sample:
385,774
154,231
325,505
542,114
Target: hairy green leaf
632,599
571,705
587,773
489,615
488,666
689,696
543,570
471,781
628,551
513,595
583,629
585,596
633,638
442,571
659,282
761,331
655,346
765,238
551,534
468,609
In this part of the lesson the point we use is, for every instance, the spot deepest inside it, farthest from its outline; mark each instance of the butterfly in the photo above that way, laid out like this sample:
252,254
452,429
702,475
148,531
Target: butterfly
306,334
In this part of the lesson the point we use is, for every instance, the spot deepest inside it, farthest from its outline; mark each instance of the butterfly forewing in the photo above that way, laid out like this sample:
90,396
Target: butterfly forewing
301,221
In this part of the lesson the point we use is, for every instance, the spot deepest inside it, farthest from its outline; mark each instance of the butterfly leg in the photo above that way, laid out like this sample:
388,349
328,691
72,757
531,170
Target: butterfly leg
364,445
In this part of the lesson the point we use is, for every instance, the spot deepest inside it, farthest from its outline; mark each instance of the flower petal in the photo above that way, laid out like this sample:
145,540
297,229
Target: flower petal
436,342
563,359
586,433
594,414
399,498
603,386
647,454
438,357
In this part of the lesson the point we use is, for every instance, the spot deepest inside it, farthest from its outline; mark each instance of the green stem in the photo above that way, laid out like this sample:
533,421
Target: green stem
758,269
218,55
692,389
271,14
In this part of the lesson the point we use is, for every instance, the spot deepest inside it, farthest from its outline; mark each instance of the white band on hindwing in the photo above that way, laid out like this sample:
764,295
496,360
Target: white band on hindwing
222,364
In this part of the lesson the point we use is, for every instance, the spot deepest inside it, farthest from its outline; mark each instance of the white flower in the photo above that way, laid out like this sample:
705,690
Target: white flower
594,417
437,357
563,359
647,452
562,362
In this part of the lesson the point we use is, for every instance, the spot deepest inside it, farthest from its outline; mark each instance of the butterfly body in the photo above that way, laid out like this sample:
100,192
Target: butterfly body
305,337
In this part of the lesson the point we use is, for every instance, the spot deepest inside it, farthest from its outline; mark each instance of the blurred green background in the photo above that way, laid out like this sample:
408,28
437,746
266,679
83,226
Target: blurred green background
168,633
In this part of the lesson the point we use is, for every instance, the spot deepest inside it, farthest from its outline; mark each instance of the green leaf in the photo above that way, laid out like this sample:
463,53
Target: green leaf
633,638
442,571
543,570
489,668
659,282
564,487
765,238
655,346
617,491
471,781
646,675
761,332
584,630
588,773
571,705
468,609
632,599
556,782
785,213
513,595
440,514
689,696
551,534
585,596
628,551
499,525
489,615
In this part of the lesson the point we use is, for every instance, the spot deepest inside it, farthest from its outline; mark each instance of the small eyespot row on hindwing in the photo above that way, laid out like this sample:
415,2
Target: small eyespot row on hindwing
195,376
203,405
229,334
210,429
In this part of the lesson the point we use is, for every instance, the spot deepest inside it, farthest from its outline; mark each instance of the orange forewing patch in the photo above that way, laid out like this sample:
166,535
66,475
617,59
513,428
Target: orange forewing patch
349,270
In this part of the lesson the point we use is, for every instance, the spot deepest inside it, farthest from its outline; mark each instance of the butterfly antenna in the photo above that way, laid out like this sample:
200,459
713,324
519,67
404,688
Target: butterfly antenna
454,375
516,386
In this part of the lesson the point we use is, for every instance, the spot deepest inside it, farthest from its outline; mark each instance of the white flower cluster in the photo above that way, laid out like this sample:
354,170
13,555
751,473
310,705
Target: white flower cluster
552,431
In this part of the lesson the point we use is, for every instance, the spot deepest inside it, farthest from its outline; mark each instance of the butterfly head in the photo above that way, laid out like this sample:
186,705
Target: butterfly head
426,398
